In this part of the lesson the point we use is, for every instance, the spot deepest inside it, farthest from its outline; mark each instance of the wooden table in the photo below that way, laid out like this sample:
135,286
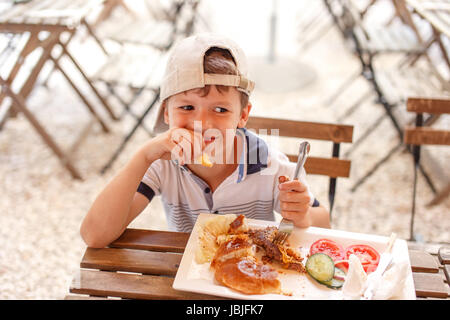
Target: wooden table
48,24
142,264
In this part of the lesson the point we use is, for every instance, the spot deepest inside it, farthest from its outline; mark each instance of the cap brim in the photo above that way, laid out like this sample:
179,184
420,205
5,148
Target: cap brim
159,126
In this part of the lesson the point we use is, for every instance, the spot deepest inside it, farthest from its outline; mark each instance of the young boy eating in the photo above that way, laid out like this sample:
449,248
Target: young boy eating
205,107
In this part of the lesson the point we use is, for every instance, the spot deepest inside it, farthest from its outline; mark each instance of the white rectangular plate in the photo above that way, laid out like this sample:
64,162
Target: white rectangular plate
199,278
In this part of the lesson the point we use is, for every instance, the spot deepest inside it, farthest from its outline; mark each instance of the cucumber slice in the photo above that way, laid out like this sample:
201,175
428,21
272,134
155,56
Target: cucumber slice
321,267
336,282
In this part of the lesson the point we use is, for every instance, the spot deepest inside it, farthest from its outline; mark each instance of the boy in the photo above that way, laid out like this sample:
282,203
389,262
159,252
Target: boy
205,106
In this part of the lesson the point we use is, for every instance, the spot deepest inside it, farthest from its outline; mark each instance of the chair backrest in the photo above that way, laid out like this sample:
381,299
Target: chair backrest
333,167
420,134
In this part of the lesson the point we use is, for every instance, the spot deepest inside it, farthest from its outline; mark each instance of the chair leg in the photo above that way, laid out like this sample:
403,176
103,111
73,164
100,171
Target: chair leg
355,105
86,102
376,166
19,103
331,194
366,133
413,209
89,82
129,135
329,100
440,196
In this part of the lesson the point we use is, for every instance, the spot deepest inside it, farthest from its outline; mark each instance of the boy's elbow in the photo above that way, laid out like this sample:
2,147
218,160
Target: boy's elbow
91,239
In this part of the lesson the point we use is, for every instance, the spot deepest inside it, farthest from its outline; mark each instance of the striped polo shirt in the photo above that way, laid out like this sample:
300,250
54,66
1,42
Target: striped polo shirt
252,189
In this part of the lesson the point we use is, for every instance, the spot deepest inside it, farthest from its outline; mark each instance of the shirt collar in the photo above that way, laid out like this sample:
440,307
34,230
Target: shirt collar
254,154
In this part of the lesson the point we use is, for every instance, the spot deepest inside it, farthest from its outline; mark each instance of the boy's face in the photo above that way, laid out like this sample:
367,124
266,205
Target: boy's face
219,112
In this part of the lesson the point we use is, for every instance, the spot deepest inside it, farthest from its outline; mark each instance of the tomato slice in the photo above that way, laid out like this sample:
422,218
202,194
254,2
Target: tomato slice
343,265
368,268
366,254
329,247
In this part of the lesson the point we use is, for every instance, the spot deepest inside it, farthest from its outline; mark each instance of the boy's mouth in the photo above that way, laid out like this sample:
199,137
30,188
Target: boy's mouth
208,140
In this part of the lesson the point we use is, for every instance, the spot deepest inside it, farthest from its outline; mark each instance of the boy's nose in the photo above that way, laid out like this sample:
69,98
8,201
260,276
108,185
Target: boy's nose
205,121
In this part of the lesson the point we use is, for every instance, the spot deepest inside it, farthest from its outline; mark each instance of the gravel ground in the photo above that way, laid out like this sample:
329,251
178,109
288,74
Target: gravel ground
42,206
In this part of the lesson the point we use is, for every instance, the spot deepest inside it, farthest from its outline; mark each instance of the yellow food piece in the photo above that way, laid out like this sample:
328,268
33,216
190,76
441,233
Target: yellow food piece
205,161
208,233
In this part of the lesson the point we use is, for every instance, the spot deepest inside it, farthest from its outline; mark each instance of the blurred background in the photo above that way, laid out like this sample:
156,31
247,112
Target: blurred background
79,82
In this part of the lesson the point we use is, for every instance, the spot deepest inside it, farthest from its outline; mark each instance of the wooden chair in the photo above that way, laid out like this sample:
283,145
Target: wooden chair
333,167
419,135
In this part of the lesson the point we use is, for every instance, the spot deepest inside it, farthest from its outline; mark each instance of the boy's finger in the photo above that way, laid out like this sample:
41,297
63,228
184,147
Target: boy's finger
292,215
294,185
294,196
294,206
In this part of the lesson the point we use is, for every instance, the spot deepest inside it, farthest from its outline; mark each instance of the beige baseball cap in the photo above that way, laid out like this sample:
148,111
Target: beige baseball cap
184,70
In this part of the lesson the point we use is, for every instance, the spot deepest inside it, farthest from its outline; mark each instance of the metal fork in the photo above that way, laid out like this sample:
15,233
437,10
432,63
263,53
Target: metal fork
286,226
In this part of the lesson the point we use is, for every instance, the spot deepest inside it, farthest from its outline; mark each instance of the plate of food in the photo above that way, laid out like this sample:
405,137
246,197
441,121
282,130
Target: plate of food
234,257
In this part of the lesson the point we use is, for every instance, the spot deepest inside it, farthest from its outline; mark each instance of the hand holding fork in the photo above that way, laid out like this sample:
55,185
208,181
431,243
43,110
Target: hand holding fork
294,198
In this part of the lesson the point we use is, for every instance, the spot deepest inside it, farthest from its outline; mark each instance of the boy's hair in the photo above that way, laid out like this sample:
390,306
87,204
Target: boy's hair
220,61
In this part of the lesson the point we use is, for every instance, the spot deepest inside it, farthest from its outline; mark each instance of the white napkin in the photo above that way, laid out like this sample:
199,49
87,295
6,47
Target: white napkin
355,281
390,286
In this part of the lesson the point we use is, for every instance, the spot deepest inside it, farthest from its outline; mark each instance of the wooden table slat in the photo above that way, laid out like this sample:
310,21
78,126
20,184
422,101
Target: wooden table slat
430,285
85,297
422,262
447,273
130,286
444,255
152,240
129,260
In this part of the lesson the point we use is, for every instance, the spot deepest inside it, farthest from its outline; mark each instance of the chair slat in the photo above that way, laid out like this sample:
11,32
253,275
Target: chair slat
426,135
447,273
426,105
303,129
152,240
130,286
129,260
332,167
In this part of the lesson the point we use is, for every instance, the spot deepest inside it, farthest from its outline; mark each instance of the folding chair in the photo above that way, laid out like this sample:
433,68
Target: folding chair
184,16
314,23
367,49
153,27
141,41
372,39
419,135
332,167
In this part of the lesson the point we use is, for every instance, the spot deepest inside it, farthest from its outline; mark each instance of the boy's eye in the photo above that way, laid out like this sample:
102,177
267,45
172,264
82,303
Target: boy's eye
220,109
189,107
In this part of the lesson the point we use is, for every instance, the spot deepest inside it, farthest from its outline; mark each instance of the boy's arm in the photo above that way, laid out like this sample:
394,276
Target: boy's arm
117,205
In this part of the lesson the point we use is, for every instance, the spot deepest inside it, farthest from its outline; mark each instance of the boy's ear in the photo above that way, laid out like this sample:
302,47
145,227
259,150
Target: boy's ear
166,113
245,113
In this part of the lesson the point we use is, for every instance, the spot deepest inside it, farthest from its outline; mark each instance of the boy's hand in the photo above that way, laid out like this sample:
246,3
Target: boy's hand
294,202
174,144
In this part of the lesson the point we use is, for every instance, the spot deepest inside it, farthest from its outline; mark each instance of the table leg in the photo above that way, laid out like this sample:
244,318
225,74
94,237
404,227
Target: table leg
19,103
86,102
99,96
92,33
